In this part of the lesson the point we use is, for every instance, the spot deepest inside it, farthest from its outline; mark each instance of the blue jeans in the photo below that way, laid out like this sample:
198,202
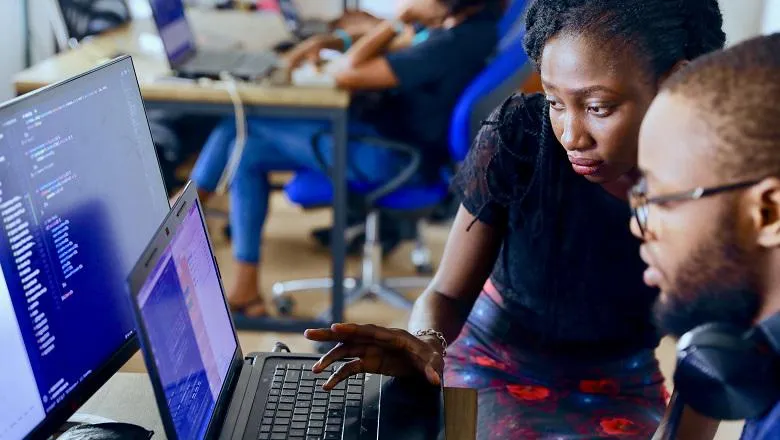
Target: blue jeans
280,145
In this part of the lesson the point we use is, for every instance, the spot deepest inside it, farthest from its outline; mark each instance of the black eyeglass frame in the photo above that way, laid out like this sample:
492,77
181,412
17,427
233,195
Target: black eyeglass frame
640,202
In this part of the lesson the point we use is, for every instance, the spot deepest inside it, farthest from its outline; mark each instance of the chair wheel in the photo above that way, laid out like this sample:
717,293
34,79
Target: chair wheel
424,269
324,347
284,305
227,232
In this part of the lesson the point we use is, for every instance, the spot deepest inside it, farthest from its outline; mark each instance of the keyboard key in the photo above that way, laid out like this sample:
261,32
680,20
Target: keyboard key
273,399
279,428
283,414
276,384
290,386
319,402
270,406
335,406
306,390
304,396
333,428
294,366
340,386
274,392
264,436
353,396
308,375
298,425
288,393
268,413
265,428
338,393
297,433
353,404
279,436
334,399
300,418
321,382
317,416
318,409
307,383
281,421
267,421
320,395
333,435
315,431
335,414
292,376
355,389
286,399
317,424
302,403
301,411
285,407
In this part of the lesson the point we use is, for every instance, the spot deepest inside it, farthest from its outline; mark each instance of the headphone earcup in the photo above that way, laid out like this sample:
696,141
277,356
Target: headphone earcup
724,375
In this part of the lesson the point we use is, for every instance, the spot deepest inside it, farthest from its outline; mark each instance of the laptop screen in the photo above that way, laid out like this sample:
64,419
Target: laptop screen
290,14
175,32
188,327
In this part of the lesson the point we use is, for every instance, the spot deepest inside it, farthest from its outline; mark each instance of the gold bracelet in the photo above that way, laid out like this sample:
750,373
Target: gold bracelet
437,335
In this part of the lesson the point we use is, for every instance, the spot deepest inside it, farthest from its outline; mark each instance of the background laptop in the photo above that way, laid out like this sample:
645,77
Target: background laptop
188,60
206,388
299,27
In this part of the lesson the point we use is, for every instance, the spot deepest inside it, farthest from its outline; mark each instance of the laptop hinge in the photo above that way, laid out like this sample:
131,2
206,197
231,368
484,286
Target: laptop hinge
250,360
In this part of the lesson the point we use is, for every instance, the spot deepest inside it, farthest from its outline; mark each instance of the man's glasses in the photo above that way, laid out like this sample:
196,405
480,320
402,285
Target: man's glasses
640,203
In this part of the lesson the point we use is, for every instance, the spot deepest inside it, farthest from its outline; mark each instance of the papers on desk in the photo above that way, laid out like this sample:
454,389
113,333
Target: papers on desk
310,75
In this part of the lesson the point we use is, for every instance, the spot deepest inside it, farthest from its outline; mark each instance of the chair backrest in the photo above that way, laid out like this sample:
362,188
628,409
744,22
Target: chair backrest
511,18
85,18
503,76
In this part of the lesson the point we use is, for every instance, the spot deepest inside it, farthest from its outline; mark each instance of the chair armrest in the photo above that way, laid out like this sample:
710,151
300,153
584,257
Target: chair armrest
406,174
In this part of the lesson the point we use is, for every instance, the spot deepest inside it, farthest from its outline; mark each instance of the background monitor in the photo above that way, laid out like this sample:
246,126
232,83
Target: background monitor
81,193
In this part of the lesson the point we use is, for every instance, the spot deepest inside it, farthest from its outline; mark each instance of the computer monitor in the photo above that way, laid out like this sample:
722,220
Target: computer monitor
81,193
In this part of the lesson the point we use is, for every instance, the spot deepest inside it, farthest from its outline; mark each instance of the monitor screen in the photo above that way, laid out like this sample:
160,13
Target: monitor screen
187,326
80,195
175,32
290,14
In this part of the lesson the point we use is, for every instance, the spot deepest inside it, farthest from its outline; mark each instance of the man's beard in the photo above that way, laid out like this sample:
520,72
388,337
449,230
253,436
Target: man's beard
716,283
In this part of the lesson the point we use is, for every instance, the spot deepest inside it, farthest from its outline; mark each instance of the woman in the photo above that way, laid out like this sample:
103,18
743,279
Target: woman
416,82
559,341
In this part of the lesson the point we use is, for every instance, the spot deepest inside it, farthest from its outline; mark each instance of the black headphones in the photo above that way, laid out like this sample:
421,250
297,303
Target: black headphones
726,373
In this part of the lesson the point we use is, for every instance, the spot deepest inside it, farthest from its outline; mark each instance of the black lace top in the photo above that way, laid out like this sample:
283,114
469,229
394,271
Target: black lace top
569,269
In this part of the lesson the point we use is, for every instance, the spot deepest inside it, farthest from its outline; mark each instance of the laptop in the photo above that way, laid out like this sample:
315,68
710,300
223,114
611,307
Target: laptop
301,28
189,61
206,388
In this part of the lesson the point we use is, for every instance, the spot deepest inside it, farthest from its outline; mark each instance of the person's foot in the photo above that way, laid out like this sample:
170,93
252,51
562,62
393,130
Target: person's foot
244,297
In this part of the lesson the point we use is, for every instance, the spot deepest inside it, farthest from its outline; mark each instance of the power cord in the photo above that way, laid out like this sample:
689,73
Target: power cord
230,85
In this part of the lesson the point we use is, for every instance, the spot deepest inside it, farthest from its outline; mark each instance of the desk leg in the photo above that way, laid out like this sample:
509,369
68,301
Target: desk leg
338,246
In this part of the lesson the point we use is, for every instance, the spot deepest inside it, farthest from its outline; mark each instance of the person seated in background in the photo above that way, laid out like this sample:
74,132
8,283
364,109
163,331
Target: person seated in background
418,85
708,207
560,341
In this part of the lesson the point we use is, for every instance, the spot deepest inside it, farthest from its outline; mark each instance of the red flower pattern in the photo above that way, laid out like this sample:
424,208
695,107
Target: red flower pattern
619,426
528,392
484,361
602,386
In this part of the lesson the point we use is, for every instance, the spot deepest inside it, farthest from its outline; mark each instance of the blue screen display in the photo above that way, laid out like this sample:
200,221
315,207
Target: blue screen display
175,32
80,195
187,324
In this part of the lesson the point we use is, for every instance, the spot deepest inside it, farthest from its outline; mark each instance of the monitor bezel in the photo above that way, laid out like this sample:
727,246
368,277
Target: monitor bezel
89,386
141,271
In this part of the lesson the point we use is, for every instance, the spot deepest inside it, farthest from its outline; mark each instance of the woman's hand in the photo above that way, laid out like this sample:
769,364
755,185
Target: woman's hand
392,352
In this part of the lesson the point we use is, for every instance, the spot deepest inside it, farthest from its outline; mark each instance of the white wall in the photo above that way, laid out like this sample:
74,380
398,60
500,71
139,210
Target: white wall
771,21
741,19
12,52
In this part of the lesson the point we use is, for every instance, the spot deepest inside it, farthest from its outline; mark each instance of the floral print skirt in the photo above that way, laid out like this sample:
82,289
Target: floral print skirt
527,395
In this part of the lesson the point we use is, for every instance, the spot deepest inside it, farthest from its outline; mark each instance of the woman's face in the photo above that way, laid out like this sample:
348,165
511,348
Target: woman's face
597,99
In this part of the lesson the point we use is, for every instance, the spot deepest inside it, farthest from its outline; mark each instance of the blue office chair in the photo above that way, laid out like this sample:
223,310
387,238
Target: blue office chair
503,76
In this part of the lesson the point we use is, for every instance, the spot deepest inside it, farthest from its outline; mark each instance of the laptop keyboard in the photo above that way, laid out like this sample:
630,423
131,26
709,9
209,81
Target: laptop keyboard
298,408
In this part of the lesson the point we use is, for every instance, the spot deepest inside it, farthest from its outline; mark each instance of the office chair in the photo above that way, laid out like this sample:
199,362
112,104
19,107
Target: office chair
503,76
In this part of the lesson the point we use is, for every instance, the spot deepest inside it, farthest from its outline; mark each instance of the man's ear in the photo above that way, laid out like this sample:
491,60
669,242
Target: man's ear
677,66
766,212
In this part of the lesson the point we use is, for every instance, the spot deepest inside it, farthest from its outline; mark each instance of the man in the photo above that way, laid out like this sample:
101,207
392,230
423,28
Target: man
714,252
414,85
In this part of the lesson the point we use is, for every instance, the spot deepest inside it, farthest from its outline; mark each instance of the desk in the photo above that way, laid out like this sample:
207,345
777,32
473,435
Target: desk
160,91
128,397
